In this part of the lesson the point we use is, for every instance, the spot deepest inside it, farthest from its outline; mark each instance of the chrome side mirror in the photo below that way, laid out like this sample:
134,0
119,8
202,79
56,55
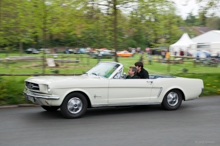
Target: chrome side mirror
124,75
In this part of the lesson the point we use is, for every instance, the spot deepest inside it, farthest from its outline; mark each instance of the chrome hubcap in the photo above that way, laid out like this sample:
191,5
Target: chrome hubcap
74,105
172,98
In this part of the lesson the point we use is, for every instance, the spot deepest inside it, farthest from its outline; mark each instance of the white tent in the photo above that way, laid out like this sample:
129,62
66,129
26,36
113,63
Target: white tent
183,44
209,41
208,37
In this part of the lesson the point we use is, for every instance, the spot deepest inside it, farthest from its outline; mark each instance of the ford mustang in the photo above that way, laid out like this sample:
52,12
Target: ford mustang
105,85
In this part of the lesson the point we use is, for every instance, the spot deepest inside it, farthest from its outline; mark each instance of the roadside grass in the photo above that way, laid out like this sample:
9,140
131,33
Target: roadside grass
16,53
154,68
3,55
11,87
210,81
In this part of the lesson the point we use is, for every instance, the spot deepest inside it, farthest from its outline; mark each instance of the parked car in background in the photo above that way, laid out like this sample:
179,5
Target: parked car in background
157,51
32,51
80,51
124,54
46,51
71,51
93,51
103,54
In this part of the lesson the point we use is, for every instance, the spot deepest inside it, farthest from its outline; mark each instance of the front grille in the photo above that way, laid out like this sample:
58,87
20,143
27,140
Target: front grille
32,86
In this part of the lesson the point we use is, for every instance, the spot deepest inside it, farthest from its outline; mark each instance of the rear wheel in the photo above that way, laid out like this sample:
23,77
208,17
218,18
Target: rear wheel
172,100
74,105
50,108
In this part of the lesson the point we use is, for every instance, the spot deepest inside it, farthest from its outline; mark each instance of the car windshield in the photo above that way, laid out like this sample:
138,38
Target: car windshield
103,69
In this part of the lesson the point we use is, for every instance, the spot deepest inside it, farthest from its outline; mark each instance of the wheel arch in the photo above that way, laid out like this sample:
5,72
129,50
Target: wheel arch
81,92
178,90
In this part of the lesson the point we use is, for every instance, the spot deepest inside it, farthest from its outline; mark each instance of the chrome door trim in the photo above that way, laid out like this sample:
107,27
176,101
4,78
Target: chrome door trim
126,104
161,88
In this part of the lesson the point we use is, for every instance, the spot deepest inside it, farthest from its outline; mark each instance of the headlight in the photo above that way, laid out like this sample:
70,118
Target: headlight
48,89
45,88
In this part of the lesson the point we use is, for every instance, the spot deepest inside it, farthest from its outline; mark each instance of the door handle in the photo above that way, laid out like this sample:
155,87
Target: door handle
150,82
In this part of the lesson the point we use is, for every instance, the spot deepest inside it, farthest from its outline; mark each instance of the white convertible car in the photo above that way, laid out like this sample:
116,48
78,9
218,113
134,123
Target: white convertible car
105,85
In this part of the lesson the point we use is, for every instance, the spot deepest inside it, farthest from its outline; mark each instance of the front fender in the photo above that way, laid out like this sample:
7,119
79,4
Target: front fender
64,92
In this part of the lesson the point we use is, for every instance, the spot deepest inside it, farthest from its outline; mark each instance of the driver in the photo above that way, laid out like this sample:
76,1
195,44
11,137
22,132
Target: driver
132,73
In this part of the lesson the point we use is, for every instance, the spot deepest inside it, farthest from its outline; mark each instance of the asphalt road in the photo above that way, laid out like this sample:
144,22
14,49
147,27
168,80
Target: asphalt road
197,122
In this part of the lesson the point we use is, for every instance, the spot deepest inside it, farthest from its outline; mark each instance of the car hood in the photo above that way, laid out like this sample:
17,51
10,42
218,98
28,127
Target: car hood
59,79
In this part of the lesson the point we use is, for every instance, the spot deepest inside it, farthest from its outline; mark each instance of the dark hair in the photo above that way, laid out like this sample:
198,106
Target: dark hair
134,69
139,64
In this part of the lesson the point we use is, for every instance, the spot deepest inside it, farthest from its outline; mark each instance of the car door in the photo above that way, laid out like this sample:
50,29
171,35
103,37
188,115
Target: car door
98,91
129,91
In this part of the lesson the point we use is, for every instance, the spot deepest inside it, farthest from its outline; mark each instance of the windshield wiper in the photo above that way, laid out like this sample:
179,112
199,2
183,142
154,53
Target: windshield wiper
94,74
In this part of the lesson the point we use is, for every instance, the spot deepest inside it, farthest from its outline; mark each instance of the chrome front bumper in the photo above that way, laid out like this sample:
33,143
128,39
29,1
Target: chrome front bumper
35,97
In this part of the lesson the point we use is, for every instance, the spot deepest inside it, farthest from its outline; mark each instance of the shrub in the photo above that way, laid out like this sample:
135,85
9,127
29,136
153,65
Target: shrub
11,91
211,82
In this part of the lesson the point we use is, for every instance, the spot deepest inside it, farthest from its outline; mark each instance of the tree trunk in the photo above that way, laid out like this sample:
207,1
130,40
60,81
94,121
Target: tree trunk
35,43
168,65
115,29
0,13
51,40
20,48
98,34
44,34
7,54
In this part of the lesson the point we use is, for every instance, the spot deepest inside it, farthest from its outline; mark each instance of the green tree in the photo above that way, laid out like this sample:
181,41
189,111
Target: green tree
13,26
213,22
190,19
202,16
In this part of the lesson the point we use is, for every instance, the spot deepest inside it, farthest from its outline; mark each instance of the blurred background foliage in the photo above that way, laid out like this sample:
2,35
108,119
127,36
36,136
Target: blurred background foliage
89,23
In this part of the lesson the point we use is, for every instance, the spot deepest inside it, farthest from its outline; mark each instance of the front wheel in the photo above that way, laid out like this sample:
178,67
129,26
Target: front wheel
172,100
74,105
50,108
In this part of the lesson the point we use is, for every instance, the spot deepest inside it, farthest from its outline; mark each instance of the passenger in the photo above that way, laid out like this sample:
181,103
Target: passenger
141,72
132,73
